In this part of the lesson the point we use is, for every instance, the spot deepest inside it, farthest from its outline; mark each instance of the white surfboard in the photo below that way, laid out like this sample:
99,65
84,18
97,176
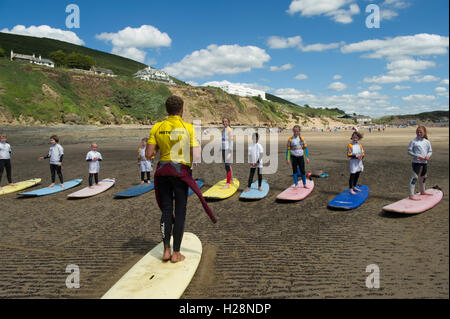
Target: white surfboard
151,278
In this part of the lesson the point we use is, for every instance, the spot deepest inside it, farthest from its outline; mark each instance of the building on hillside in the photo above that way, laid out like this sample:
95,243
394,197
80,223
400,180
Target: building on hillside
363,120
101,71
243,91
31,59
153,75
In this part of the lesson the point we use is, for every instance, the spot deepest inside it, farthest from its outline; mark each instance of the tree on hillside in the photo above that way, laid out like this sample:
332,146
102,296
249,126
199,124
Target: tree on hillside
79,61
2,53
58,57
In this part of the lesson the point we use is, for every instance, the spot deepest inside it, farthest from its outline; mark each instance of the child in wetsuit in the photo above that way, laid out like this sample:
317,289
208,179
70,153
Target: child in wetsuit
5,159
255,155
55,154
297,149
420,149
94,158
356,154
145,165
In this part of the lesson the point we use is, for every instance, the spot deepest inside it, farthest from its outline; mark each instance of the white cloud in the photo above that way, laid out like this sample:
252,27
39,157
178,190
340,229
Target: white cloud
401,87
284,67
402,46
130,53
45,31
441,91
319,47
419,98
301,77
375,88
337,77
426,78
224,59
408,66
146,36
444,81
372,95
389,7
384,79
387,14
275,42
336,9
337,86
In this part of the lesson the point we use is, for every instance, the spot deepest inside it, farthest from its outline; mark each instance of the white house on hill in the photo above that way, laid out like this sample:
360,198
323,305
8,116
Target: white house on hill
243,91
32,59
149,74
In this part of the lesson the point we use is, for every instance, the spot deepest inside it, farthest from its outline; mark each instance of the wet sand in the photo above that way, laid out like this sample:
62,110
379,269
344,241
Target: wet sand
260,249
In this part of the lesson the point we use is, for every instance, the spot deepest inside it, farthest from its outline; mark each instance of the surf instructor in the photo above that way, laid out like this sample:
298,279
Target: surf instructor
179,149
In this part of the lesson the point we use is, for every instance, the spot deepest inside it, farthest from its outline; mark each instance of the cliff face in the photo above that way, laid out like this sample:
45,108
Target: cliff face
34,95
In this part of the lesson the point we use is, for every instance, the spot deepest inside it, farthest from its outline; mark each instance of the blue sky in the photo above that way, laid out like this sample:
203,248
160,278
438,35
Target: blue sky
316,52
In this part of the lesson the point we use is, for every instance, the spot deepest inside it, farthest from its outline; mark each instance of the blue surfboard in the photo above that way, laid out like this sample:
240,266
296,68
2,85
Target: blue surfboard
53,190
136,191
200,182
347,201
254,193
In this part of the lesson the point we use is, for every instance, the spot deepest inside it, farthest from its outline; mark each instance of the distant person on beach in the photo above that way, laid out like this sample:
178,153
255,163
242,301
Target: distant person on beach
5,159
179,149
255,158
56,155
94,158
227,150
420,150
355,153
145,165
296,151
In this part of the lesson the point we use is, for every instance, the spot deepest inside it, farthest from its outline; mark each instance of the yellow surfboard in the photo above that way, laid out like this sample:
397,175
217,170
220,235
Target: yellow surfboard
151,278
217,191
19,186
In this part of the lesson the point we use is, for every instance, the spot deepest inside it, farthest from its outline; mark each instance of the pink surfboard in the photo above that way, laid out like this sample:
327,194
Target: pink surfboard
101,187
298,193
409,206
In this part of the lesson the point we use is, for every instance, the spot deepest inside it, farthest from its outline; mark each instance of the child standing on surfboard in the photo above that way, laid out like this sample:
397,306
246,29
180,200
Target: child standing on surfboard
227,150
296,151
93,158
255,158
55,154
355,153
420,149
145,165
5,159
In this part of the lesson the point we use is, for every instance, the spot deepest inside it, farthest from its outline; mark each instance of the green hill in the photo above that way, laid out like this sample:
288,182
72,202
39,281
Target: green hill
43,46
424,117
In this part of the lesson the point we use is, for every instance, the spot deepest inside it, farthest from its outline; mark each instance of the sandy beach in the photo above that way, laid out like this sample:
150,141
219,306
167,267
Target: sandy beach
260,249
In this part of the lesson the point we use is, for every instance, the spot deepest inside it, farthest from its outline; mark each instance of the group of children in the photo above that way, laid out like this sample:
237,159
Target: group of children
56,155
297,150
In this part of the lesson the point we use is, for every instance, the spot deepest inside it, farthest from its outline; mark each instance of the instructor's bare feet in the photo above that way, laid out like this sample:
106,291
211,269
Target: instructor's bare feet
352,192
51,185
167,255
425,193
413,197
305,186
177,257
247,190
226,186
